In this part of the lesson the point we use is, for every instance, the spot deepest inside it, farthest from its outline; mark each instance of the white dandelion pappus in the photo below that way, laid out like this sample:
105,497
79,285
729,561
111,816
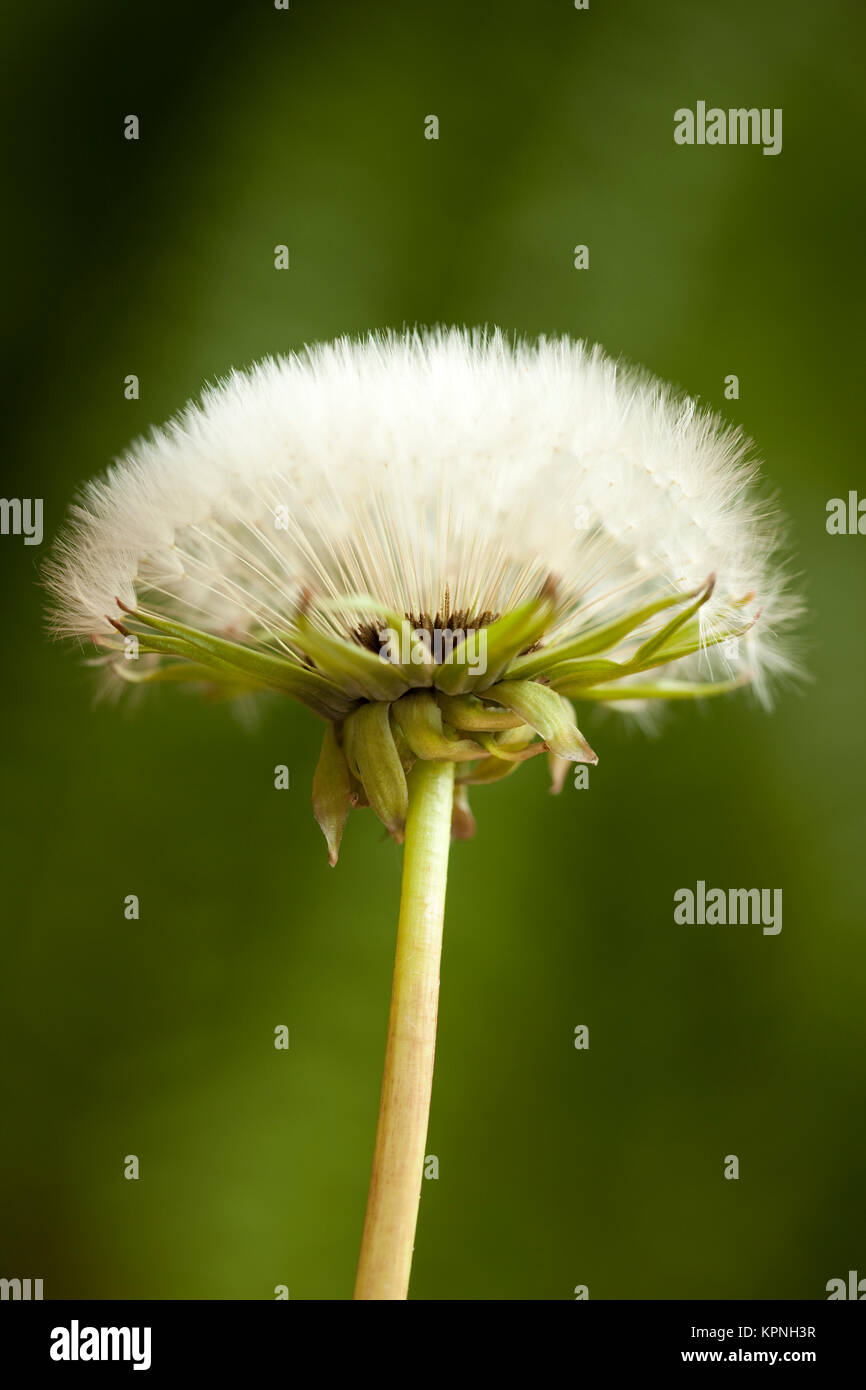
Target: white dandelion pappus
441,473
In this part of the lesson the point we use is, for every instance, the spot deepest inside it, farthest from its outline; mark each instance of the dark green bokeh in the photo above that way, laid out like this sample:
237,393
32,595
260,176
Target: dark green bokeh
557,1167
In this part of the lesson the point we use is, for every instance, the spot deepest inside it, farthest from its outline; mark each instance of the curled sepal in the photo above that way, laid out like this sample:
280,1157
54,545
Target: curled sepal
466,712
517,740
558,772
332,792
374,760
419,719
549,714
480,660
512,748
494,769
404,752
462,819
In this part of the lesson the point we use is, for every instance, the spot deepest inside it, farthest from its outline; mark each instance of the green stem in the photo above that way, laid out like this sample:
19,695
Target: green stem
404,1108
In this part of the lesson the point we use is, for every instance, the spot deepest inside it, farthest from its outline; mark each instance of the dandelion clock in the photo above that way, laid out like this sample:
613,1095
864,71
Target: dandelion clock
449,548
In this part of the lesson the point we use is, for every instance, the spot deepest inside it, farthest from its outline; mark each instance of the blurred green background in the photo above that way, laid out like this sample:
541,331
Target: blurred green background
557,1167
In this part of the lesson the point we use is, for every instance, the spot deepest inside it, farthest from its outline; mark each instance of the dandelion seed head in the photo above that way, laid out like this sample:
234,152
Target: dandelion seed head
433,472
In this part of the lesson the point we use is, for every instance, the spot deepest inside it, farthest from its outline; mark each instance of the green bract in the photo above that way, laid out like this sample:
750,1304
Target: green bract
386,709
